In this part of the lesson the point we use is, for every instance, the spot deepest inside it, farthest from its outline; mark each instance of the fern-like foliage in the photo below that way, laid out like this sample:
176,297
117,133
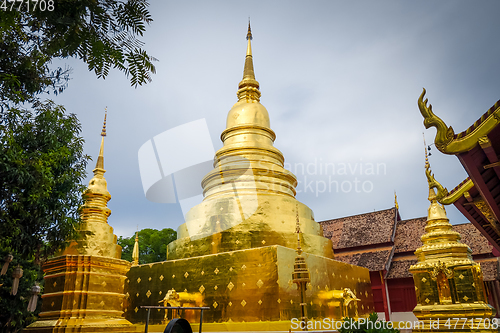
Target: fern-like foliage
102,33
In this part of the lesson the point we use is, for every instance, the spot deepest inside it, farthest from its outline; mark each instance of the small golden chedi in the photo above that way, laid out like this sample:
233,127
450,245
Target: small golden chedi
448,283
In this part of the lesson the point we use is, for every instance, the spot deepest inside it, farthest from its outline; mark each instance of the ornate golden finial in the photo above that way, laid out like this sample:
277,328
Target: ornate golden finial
396,200
300,274
100,159
103,132
435,211
135,252
433,183
249,87
297,230
249,34
427,164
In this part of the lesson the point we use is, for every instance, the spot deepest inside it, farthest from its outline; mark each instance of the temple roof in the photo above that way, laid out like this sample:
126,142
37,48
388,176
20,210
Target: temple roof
469,133
490,269
377,260
408,233
472,237
361,230
400,269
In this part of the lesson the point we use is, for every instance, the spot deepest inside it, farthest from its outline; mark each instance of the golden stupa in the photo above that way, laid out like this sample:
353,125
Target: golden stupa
236,251
84,284
448,283
249,197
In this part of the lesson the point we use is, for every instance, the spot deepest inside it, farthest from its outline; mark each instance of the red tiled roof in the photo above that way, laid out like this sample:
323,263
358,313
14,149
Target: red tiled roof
473,237
374,261
399,269
361,230
408,233
490,269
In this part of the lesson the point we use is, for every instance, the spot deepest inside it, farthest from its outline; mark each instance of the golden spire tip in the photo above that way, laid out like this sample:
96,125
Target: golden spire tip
248,88
396,200
427,164
249,33
103,132
100,158
433,183
135,251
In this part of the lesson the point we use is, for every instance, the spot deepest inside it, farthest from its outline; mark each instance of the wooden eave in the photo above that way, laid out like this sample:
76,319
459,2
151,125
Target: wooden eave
479,197
468,139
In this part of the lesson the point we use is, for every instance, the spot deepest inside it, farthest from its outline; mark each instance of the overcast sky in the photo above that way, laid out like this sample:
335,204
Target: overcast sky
340,80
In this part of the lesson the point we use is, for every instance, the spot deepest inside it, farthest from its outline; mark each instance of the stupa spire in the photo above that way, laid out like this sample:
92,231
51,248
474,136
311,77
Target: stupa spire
249,87
300,275
439,229
91,297
135,252
100,159
297,227
435,210
96,239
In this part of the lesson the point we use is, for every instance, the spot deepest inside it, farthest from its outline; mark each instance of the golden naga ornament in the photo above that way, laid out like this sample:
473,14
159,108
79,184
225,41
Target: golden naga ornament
447,141
444,133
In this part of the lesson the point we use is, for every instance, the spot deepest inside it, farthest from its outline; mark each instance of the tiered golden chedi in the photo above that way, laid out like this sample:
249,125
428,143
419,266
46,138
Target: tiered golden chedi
249,198
236,251
448,283
84,284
